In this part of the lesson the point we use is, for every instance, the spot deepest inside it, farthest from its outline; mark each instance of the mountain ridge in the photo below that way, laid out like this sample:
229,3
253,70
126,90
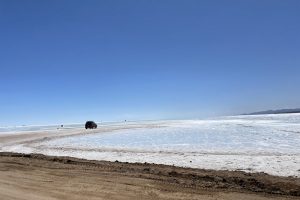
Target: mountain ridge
280,111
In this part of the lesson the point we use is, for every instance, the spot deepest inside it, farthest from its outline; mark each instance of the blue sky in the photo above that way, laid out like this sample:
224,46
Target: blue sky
71,61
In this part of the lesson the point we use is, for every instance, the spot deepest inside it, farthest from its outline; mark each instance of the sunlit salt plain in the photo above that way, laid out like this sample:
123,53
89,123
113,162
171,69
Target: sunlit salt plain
261,143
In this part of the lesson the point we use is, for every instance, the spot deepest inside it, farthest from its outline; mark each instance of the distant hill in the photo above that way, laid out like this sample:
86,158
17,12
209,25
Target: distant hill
281,111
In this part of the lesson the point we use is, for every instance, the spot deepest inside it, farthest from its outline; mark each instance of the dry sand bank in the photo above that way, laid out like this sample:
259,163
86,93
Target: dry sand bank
32,176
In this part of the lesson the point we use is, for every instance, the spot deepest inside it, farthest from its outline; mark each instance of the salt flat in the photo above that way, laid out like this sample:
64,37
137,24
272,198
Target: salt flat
258,143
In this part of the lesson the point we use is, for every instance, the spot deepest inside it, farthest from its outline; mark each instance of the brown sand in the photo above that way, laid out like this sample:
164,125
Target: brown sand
41,177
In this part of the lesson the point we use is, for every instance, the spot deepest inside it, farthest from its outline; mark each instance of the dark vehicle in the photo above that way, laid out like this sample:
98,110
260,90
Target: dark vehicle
90,125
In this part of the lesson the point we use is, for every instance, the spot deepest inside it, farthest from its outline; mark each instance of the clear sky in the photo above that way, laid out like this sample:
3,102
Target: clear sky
71,61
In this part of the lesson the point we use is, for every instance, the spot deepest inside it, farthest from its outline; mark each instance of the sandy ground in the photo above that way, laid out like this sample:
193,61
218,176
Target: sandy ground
33,176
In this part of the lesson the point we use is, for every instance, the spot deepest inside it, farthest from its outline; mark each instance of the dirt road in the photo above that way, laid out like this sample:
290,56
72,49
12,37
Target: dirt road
41,177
